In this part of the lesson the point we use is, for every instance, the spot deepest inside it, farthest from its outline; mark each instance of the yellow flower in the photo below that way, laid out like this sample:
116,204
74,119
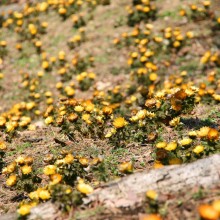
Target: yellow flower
203,132
44,194
153,77
192,134
49,170
53,59
151,194
185,141
134,118
110,133
68,159
119,122
206,3
84,188
60,162
190,34
176,44
50,100
3,43
11,167
198,149
134,55
151,217
10,126
26,169
20,160
213,134
2,121
55,178
45,64
141,114
208,212
79,108
59,85
92,75
216,205
24,209
11,181
33,195
175,161
107,110
68,191
62,11
182,12
161,145
72,117
69,91
175,121
84,161
61,55
3,145
158,165
89,106
86,117
171,146
42,6
40,74
49,120
126,167
183,73
30,105
44,24
38,43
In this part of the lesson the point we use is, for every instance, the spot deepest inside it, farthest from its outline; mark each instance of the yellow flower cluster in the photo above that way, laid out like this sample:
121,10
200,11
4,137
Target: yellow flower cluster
151,105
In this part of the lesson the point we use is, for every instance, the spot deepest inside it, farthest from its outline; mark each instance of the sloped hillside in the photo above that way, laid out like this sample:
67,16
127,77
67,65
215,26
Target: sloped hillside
109,109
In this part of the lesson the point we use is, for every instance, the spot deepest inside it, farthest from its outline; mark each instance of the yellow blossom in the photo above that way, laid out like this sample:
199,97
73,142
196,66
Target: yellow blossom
198,149
50,169
175,121
44,194
213,134
119,122
84,161
33,195
126,167
68,159
175,161
192,134
49,120
203,132
161,145
216,206
84,188
208,212
151,194
55,179
11,181
153,77
185,141
171,146
3,145
26,169
79,108
20,160
24,209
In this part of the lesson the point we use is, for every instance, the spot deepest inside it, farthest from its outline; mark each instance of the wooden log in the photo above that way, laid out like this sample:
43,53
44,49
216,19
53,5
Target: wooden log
130,191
